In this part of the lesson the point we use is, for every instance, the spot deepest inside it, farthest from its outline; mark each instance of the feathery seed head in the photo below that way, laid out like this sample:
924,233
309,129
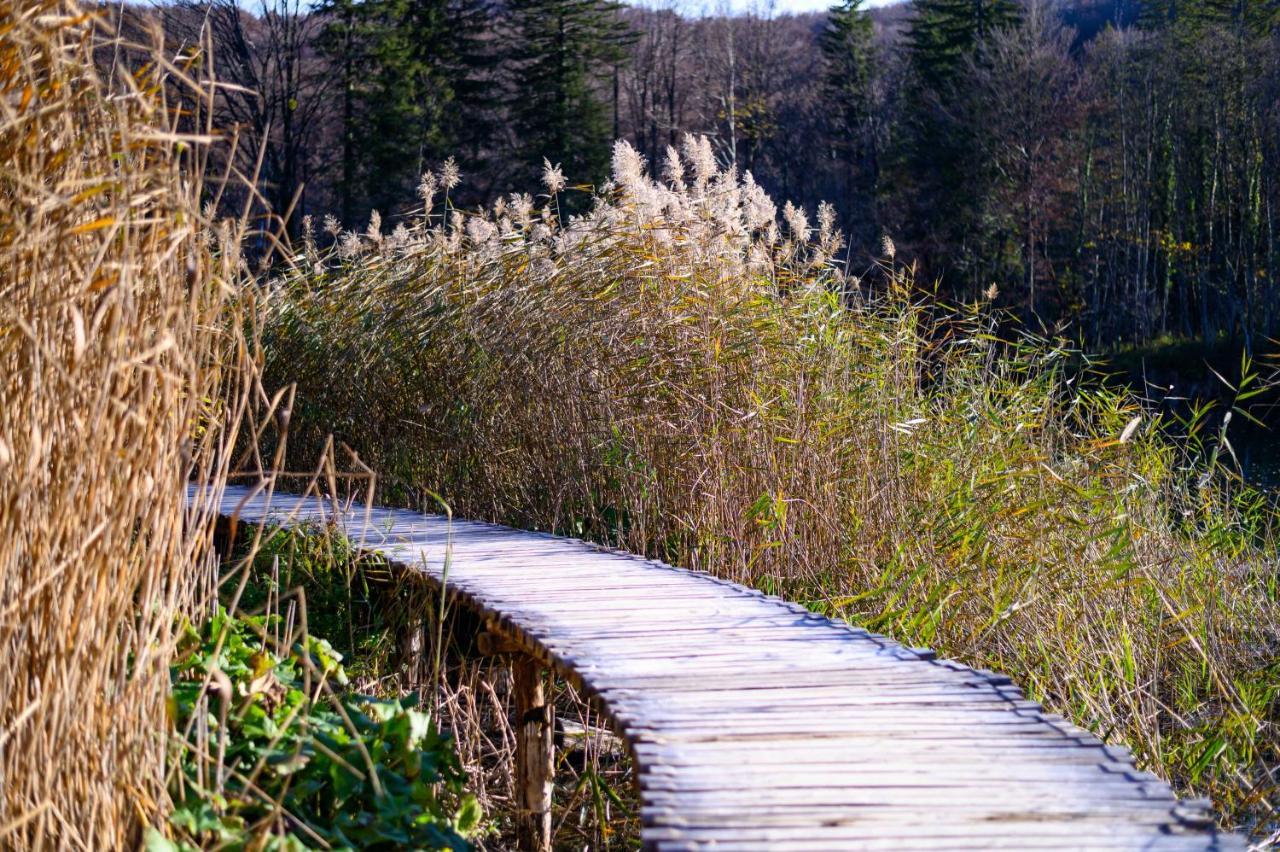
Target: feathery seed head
349,245
673,169
522,209
400,237
797,222
829,237
757,205
697,150
427,190
826,222
628,167
450,176
479,230
552,177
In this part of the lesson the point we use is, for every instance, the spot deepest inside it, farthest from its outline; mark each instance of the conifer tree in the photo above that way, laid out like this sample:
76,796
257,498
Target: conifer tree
345,41
849,60
407,69
562,61
944,33
1187,20
935,161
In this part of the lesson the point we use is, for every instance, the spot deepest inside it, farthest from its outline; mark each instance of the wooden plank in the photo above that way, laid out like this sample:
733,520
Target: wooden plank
758,725
901,770
678,748
935,797
1032,835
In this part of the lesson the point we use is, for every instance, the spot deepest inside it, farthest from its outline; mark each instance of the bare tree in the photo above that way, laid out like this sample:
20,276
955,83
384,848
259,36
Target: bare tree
1023,106
653,92
274,91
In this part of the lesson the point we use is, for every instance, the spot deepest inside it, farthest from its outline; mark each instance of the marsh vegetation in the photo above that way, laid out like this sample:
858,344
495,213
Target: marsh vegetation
665,360
688,372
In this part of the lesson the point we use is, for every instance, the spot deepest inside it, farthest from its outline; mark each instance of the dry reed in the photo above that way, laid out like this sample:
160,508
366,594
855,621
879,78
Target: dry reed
676,373
113,350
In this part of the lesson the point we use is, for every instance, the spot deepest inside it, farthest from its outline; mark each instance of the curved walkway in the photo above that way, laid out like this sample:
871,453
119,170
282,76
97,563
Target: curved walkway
757,725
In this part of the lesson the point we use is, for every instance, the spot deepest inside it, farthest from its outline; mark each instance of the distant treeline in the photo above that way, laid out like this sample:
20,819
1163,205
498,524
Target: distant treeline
1106,168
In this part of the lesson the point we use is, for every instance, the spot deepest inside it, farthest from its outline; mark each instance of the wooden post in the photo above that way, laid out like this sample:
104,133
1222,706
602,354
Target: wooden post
224,536
534,756
413,654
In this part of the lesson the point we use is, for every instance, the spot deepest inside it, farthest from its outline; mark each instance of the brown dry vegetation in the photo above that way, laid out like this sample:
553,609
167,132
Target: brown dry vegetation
113,350
677,374
672,372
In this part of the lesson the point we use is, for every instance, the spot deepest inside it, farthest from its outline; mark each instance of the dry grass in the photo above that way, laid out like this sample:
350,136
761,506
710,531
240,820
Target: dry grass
595,805
677,374
112,350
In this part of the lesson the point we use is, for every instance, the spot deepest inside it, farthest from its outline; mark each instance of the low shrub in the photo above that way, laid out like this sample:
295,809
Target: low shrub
273,753
352,599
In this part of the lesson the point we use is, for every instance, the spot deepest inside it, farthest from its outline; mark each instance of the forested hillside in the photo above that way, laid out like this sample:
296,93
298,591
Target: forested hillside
1109,167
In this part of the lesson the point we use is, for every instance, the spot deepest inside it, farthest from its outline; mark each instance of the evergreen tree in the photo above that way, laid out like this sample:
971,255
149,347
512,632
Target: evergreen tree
1189,18
344,40
935,163
477,122
944,33
849,59
408,92
411,93
563,56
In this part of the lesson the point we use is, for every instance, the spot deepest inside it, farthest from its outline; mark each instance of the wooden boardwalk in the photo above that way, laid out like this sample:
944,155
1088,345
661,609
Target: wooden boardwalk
755,724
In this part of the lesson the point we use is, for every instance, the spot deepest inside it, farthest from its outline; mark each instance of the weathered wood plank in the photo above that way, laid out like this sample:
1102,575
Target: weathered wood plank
758,725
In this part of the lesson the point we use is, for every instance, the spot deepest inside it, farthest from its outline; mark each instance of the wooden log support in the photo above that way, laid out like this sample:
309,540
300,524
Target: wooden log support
414,660
535,758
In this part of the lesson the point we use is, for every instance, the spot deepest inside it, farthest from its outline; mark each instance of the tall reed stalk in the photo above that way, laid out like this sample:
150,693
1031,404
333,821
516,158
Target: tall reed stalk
113,360
680,373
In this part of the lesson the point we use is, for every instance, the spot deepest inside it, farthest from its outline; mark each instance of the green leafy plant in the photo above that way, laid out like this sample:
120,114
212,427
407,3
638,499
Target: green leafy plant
352,598
269,755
